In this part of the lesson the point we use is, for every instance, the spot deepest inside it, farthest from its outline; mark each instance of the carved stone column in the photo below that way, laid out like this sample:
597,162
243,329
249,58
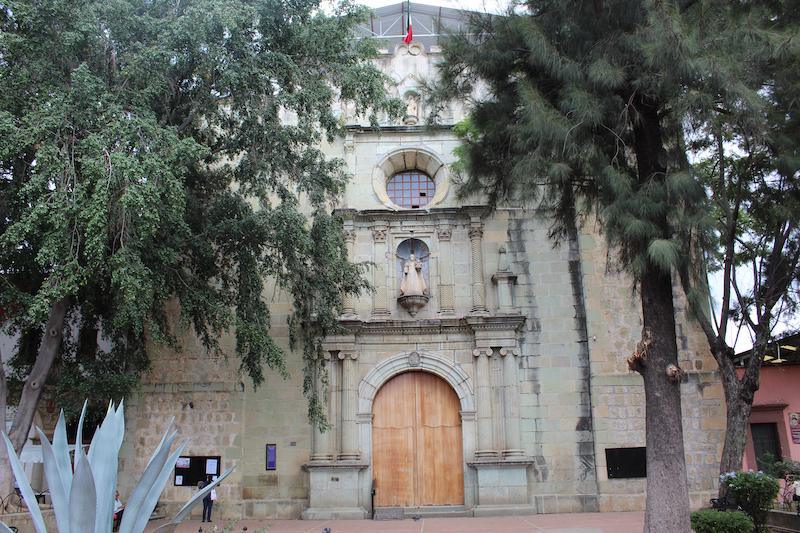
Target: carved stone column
380,301
350,451
321,444
513,446
483,400
476,249
446,289
349,308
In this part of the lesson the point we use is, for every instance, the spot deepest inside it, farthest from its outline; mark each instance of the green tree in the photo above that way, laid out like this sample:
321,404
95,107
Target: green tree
749,162
159,151
584,105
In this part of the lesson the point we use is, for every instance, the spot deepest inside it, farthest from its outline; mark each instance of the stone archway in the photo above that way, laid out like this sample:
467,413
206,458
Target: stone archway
452,374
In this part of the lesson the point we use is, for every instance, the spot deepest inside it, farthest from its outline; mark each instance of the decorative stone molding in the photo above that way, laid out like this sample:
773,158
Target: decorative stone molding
379,234
397,364
410,159
476,255
444,233
348,303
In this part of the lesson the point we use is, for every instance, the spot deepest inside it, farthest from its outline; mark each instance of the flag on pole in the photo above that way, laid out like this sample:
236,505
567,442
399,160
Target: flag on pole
409,32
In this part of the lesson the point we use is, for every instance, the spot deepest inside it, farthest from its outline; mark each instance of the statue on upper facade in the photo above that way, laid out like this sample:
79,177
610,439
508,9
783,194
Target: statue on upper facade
413,283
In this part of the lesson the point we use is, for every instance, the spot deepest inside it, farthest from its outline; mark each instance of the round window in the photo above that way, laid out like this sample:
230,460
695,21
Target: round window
411,189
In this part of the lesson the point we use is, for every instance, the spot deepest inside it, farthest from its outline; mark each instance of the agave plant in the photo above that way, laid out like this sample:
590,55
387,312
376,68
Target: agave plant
82,491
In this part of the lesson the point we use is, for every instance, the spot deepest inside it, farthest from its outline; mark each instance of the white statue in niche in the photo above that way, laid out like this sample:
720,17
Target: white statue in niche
413,282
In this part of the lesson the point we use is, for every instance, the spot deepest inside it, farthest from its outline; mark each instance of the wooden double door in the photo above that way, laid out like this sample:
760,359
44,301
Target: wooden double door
417,455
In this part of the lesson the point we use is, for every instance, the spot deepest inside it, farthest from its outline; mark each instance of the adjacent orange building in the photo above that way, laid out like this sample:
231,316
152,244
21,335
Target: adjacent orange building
775,420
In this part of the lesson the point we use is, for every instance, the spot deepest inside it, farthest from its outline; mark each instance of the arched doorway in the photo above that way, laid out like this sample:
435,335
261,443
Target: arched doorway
417,455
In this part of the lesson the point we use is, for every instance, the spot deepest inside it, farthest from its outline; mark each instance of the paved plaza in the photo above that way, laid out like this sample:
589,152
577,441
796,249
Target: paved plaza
552,523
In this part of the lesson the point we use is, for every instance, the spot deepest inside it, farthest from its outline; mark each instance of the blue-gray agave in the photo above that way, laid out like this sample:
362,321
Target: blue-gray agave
83,492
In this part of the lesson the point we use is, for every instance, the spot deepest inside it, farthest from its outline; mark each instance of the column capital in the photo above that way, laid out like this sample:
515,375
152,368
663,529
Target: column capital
349,235
509,351
475,230
444,232
348,355
477,352
379,233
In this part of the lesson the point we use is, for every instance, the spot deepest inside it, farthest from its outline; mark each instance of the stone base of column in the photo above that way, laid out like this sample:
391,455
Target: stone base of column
349,456
502,485
321,457
513,454
381,313
486,454
334,491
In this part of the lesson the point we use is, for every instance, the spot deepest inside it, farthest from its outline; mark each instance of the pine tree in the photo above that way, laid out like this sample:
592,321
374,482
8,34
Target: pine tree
584,105
158,151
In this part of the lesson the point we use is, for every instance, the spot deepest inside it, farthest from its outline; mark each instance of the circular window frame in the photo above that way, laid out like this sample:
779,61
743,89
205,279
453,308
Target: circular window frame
405,160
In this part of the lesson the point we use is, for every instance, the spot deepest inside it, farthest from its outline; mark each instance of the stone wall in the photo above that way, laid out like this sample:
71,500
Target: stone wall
614,326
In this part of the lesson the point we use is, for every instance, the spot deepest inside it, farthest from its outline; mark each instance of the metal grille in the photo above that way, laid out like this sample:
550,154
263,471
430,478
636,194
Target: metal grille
411,189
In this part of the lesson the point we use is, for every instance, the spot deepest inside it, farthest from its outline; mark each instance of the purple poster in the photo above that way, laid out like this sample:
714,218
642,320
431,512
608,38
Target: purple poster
271,456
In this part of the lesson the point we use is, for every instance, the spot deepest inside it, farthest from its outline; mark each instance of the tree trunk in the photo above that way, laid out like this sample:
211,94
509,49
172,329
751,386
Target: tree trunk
5,466
667,508
34,384
737,417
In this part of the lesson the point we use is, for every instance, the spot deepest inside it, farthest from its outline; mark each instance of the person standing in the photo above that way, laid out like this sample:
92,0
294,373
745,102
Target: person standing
208,502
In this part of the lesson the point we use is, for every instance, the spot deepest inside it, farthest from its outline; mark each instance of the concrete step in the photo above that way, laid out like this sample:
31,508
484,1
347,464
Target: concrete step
437,511
388,513
428,511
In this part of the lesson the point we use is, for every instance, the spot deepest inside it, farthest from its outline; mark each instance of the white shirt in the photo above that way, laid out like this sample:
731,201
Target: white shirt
117,505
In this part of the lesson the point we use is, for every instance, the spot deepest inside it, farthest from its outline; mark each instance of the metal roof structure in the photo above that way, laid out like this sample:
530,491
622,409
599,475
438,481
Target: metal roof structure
429,23
785,349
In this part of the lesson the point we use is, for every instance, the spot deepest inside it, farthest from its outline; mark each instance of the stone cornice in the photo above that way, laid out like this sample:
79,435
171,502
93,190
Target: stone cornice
429,326
495,323
407,327
425,216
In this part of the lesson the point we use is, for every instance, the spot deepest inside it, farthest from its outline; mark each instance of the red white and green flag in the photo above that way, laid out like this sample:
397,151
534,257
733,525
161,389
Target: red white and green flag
409,33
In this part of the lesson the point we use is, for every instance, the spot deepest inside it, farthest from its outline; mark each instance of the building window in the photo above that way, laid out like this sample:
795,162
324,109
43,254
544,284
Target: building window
624,463
411,189
765,442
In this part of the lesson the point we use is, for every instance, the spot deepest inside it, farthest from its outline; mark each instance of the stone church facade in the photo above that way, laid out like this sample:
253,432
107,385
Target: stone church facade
494,382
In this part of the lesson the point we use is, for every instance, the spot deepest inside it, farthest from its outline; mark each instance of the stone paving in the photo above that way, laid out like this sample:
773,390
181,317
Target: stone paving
551,523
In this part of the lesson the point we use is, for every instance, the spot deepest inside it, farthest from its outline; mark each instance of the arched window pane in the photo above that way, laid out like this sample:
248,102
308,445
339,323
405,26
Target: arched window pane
411,188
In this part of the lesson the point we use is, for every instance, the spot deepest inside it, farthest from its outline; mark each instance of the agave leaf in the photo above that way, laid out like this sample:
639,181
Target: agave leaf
95,444
164,437
120,416
104,458
25,487
184,512
155,490
82,499
149,477
61,453
5,529
79,435
55,481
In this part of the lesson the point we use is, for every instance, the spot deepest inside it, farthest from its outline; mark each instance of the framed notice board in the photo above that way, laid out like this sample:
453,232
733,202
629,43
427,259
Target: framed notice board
192,469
